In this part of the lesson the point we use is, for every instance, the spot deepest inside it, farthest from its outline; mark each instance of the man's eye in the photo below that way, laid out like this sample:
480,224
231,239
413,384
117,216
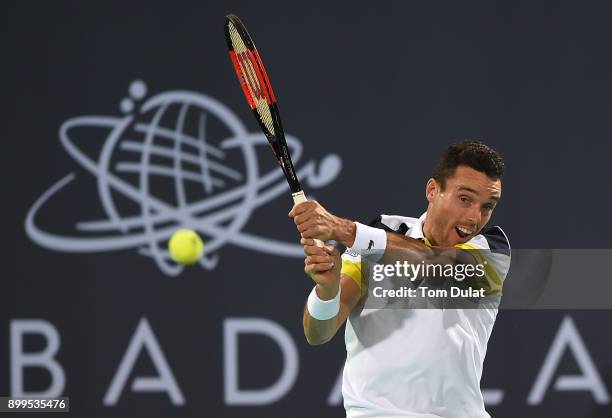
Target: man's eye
489,206
464,199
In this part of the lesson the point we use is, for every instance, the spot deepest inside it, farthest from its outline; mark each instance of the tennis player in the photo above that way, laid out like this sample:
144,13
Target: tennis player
410,362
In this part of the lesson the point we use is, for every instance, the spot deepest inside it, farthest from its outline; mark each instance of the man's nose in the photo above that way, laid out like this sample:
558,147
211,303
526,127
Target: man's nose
475,215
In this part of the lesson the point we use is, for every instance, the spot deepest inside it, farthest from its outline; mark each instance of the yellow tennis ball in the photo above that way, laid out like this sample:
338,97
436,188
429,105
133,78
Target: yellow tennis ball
185,246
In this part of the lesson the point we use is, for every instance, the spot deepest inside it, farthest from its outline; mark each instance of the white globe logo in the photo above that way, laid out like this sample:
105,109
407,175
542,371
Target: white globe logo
160,169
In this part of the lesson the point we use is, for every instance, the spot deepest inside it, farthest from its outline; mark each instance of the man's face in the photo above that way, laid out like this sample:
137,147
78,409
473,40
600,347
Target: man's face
456,214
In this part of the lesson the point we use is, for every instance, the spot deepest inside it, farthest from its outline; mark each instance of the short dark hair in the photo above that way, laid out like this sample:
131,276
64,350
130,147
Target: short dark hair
473,154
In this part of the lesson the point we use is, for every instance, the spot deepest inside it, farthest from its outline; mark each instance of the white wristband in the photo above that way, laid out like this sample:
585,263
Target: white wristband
369,238
323,309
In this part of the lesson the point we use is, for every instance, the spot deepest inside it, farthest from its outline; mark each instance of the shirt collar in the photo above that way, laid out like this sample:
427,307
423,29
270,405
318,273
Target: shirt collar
416,231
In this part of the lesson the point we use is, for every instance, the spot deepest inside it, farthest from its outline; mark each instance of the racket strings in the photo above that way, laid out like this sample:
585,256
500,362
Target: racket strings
250,79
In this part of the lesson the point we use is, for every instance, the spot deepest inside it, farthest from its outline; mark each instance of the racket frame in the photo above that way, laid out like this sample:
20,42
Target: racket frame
276,139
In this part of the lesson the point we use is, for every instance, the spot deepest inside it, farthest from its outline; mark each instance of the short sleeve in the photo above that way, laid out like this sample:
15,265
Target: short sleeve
352,263
491,248
351,266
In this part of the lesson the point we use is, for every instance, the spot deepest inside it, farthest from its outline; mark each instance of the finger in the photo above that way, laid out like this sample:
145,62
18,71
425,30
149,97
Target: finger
307,241
318,259
314,250
310,223
300,219
293,210
300,208
318,268
322,267
332,251
303,218
329,249
312,232
296,209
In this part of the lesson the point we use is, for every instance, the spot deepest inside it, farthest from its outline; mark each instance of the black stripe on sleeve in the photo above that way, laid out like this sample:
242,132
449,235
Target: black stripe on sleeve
378,223
497,239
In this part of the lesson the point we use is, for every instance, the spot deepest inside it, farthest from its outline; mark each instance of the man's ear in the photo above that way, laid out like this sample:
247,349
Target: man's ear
431,189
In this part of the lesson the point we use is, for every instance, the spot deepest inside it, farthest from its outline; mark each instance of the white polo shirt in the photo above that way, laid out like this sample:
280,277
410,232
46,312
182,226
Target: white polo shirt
424,363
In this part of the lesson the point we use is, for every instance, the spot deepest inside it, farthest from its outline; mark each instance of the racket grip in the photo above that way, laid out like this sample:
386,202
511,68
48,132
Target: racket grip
300,197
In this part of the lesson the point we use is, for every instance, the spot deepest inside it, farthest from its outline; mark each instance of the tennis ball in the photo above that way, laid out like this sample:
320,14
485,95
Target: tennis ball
185,246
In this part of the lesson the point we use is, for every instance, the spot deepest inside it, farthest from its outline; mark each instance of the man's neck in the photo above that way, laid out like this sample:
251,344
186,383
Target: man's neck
426,235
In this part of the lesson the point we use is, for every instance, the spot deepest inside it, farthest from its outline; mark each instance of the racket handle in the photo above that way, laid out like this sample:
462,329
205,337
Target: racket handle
300,197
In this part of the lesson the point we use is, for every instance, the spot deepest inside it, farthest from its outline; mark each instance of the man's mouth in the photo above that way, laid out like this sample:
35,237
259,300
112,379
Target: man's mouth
463,231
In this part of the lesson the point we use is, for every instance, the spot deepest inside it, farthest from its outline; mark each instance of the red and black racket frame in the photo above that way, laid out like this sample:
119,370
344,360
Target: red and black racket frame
276,140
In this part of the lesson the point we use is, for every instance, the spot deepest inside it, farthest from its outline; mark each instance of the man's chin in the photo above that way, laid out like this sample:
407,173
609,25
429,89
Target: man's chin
458,239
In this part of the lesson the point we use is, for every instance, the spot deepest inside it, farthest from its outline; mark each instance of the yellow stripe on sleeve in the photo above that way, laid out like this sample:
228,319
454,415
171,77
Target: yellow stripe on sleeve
353,270
494,281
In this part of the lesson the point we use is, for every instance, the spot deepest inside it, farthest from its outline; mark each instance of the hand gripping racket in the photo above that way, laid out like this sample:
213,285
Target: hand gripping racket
262,101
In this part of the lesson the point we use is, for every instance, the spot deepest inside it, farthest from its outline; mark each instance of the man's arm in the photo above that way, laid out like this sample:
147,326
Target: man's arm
319,332
323,265
314,221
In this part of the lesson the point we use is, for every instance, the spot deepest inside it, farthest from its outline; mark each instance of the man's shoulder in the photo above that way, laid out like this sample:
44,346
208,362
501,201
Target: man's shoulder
394,223
492,238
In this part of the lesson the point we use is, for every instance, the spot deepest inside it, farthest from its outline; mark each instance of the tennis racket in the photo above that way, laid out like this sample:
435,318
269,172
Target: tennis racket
262,101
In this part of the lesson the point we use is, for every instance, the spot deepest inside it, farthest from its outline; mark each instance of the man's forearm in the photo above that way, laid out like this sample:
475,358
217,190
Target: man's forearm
320,331
345,232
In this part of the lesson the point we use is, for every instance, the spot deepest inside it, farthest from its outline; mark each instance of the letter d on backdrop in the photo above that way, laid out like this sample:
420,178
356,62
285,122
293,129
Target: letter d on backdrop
233,394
